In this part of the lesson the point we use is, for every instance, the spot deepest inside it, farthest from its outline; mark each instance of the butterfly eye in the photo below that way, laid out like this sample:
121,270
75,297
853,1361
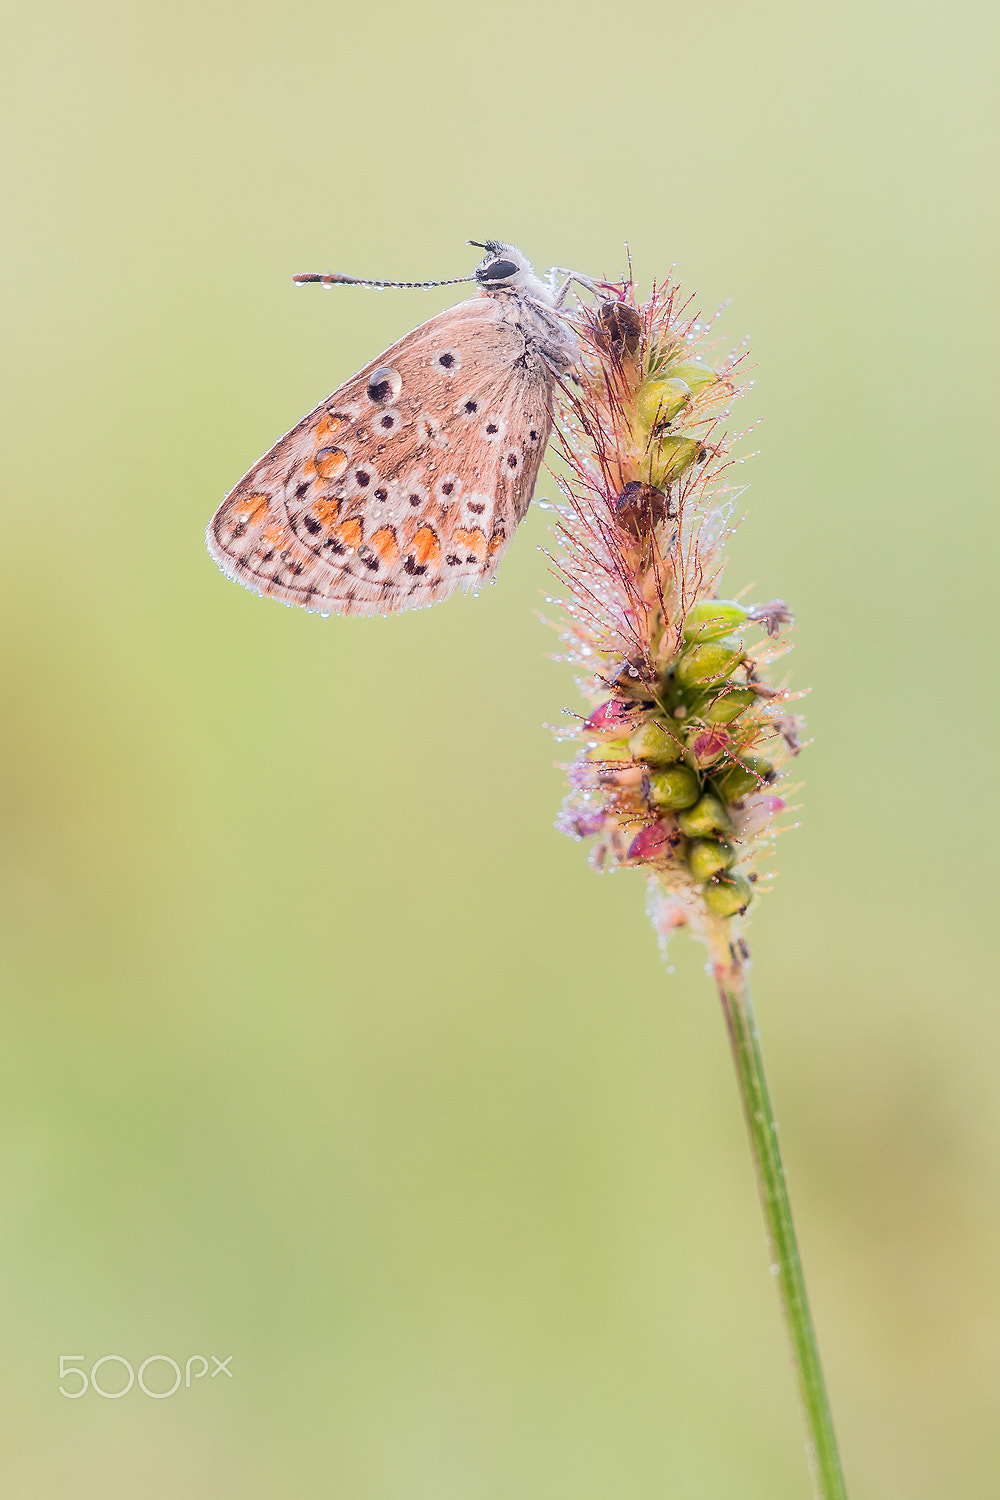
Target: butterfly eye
498,270
384,385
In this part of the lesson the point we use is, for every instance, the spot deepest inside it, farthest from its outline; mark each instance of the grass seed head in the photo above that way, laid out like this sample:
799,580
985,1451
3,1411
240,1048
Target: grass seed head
685,735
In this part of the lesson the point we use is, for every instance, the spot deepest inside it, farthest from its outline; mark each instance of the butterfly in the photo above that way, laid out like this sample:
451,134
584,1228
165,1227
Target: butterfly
409,481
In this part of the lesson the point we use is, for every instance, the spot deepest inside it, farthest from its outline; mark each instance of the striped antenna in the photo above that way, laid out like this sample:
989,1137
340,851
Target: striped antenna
337,278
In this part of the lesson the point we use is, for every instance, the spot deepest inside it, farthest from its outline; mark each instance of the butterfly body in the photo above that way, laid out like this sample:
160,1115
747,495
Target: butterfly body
410,479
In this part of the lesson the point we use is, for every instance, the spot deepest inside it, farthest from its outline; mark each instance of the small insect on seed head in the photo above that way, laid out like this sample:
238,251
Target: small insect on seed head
617,330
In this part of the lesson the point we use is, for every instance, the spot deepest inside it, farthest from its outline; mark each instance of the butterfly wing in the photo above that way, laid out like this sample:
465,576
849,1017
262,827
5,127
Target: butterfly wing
405,484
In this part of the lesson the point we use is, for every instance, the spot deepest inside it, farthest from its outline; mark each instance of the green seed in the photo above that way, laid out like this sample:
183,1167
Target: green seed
660,400
710,662
610,750
695,375
728,705
707,857
654,744
710,618
739,781
676,787
671,457
707,816
728,895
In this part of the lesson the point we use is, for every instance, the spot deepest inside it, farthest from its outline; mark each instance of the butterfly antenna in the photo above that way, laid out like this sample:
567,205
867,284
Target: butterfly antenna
337,278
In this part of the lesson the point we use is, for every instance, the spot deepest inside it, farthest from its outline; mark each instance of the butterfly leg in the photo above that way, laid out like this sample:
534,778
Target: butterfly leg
560,293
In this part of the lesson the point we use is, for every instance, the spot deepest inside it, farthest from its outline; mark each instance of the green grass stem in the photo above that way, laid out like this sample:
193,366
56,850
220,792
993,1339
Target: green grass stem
730,964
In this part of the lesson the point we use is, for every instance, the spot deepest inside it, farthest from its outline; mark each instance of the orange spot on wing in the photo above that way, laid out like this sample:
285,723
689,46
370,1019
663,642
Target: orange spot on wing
497,540
329,462
326,508
274,534
385,544
252,507
473,541
349,532
328,426
426,547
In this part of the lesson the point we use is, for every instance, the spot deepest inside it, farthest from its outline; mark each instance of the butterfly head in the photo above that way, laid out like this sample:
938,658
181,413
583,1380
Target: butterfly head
505,268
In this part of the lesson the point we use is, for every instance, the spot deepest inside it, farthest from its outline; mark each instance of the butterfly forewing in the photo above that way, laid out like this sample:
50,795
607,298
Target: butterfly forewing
406,483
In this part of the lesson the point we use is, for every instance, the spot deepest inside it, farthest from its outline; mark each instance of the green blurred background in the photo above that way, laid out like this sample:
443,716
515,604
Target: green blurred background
321,1048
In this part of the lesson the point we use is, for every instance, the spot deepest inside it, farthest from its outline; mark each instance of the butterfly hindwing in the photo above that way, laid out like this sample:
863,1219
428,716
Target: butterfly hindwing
406,483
